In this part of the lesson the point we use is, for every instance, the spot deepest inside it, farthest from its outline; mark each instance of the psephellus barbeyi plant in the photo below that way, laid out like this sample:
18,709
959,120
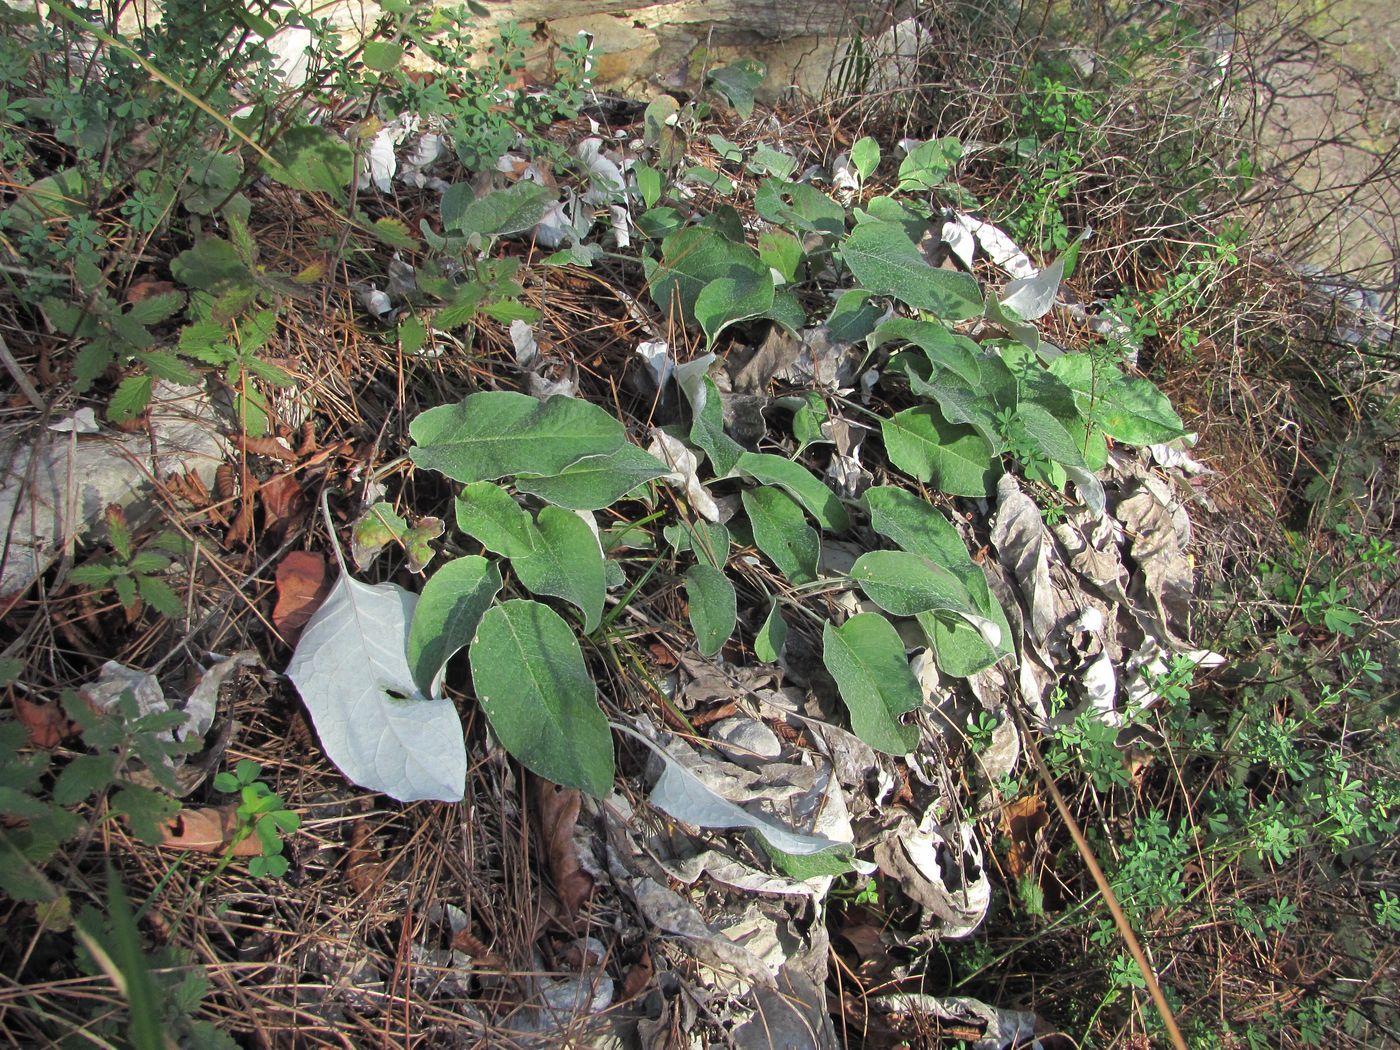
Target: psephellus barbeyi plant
542,601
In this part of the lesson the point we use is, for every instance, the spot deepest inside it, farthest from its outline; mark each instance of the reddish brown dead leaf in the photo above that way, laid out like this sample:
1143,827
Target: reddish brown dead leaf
145,287
283,503
46,724
557,809
301,588
210,830
638,978
1023,820
704,718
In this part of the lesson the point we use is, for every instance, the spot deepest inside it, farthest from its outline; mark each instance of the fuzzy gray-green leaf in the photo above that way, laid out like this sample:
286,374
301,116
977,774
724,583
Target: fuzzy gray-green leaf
490,434
866,657
531,682
711,599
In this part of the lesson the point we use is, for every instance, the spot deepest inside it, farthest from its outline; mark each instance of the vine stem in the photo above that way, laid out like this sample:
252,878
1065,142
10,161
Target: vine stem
1120,920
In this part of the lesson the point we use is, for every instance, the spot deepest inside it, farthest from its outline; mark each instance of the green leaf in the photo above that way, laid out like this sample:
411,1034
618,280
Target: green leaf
382,56
490,515
156,308
648,183
976,404
130,398
915,526
380,526
737,83
567,563
312,159
531,682
146,810
157,594
1131,410
768,642
1055,437
886,209
781,251
807,420
707,429
126,590
835,861
119,948
94,574
781,531
927,165
865,155
715,180
955,459
787,311
213,178
62,194
958,647
490,434
906,584
20,877
799,206
413,333
708,540
943,348
165,365
712,604
394,233
10,670
660,133
501,212
455,199
1137,413
445,620
696,257
739,296
866,657
212,265
799,483
84,777
853,317
768,161
886,262
659,222
596,481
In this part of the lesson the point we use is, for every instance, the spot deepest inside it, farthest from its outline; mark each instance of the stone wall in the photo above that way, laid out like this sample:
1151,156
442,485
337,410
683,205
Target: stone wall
643,48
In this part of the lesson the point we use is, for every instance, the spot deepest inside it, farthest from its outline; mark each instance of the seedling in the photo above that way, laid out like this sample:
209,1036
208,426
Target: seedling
261,812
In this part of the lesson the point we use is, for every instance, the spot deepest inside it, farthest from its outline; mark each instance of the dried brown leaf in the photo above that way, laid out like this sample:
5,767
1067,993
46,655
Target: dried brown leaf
557,809
46,724
210,830
638,977
364,867
1023,820
301,588
283,502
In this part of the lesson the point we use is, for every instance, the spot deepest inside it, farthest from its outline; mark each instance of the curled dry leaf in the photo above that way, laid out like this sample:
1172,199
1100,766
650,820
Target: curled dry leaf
283,502
301,588
210,830
557,809
1023,820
